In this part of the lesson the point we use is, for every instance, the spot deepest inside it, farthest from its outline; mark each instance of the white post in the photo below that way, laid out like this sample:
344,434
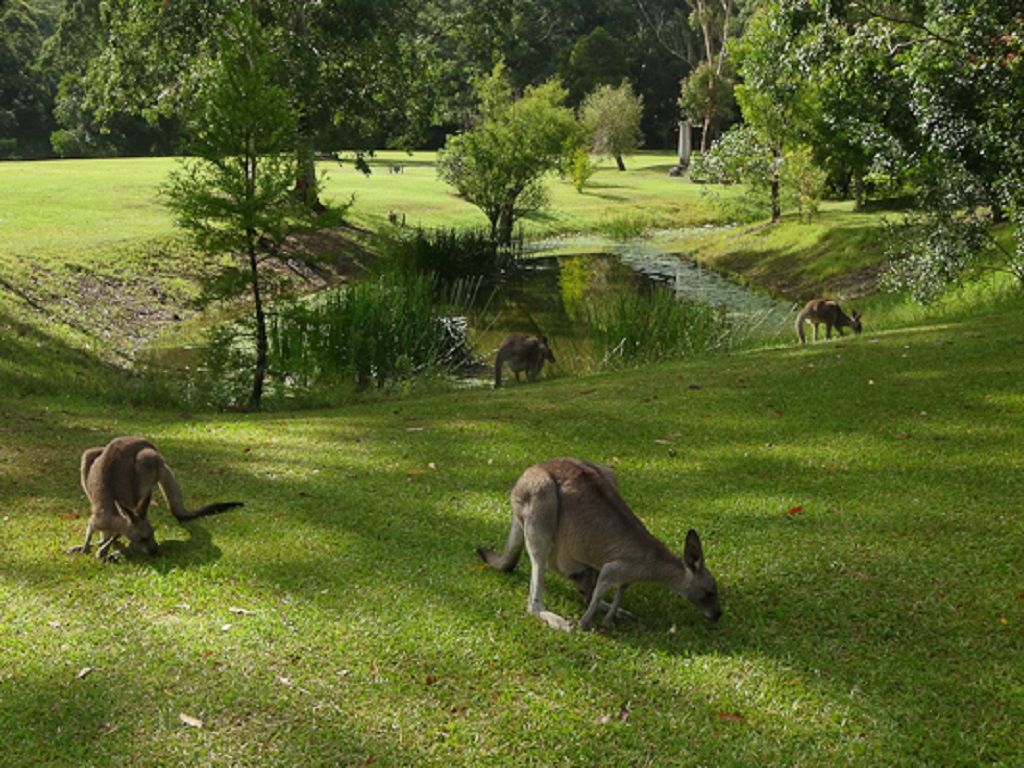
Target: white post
684,143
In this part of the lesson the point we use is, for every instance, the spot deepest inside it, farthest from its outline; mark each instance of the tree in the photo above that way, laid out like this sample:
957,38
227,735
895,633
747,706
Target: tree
235,193
596,59
24,99
930,92
612,118
777,98
499,164
348,67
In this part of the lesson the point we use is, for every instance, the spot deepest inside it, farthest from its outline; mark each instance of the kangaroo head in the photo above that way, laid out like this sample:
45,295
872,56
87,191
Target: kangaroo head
855,322
545,349
140,532
700,589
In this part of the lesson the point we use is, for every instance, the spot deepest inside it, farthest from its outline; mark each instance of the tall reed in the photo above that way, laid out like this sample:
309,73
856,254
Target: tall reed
447,253
379,331
636,328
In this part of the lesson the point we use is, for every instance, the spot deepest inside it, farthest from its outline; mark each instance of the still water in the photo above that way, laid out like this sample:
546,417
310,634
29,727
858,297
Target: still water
549,292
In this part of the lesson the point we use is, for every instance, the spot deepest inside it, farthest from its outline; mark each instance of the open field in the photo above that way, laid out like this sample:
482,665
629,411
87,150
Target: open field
859,501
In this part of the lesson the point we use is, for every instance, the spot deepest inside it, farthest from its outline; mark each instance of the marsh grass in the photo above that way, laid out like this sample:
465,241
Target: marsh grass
637,328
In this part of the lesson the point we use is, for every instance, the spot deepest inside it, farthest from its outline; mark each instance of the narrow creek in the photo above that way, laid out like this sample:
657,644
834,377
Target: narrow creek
550,291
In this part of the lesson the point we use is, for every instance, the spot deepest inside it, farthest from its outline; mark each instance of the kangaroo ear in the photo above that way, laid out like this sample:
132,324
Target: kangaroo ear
126,511
693,554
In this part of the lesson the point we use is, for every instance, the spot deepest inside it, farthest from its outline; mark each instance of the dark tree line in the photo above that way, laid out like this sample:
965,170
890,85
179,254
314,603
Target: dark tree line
91,78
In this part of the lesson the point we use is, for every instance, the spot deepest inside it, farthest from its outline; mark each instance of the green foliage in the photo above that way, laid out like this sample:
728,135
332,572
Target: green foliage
708,94
499,164
578,167
597,59
611,117
448,254
235,193
25,100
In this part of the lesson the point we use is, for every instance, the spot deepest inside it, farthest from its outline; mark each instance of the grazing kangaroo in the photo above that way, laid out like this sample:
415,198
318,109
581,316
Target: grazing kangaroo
118,478
570,517
828,312
522,353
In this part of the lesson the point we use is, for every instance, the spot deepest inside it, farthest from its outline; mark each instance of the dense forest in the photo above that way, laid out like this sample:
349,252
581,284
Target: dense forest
398,72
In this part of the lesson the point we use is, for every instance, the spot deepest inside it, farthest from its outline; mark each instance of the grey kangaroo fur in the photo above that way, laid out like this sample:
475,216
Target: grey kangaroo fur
829,312
118,478
522,353
569,516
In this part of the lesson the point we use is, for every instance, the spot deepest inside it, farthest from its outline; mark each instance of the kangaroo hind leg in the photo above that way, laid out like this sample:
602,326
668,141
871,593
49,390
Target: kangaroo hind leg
535,503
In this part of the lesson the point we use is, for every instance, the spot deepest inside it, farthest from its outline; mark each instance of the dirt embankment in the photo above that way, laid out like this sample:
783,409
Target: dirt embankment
117,312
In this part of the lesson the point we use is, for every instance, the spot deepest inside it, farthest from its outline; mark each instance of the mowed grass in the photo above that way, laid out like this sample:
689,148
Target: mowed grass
859,502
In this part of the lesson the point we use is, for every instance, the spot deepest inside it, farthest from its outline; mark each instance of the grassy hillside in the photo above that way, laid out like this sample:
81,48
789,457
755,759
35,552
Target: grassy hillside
859,503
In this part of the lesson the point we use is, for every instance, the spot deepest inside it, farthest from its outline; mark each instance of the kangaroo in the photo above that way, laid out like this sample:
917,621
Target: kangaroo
522,353
570,517
828,312
118,478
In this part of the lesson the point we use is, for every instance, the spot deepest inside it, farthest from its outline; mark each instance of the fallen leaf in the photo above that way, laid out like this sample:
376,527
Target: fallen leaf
732,717
70,516
794,510
431,680
663,442
83,672
432,465
193,722
241,611
414,429
1002,619
416,471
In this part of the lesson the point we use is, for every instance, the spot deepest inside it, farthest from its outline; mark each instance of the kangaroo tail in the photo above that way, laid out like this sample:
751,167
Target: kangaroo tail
210,509
497,370
800,326
508,559
172,492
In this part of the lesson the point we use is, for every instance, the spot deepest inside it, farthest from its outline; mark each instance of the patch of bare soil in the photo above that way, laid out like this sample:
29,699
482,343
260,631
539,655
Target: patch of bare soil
125,312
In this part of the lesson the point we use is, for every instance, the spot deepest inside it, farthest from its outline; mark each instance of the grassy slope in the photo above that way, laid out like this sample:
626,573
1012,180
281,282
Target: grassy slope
342,618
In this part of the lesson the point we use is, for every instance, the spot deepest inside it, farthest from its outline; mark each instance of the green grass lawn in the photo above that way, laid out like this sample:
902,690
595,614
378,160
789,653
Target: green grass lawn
859,502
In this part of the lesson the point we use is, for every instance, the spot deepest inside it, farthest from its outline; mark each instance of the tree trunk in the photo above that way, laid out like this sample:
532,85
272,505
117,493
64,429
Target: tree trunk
260,372
618,162
776,209
505,222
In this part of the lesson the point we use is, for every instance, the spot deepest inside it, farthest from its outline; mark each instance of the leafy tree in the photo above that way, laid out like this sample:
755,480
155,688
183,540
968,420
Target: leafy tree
778,99
235,193
499,164
708,95
611,116
596,59
934,92
24,97
347,66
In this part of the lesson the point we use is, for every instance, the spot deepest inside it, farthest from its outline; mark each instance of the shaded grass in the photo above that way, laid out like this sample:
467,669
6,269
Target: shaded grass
879,624
859,502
